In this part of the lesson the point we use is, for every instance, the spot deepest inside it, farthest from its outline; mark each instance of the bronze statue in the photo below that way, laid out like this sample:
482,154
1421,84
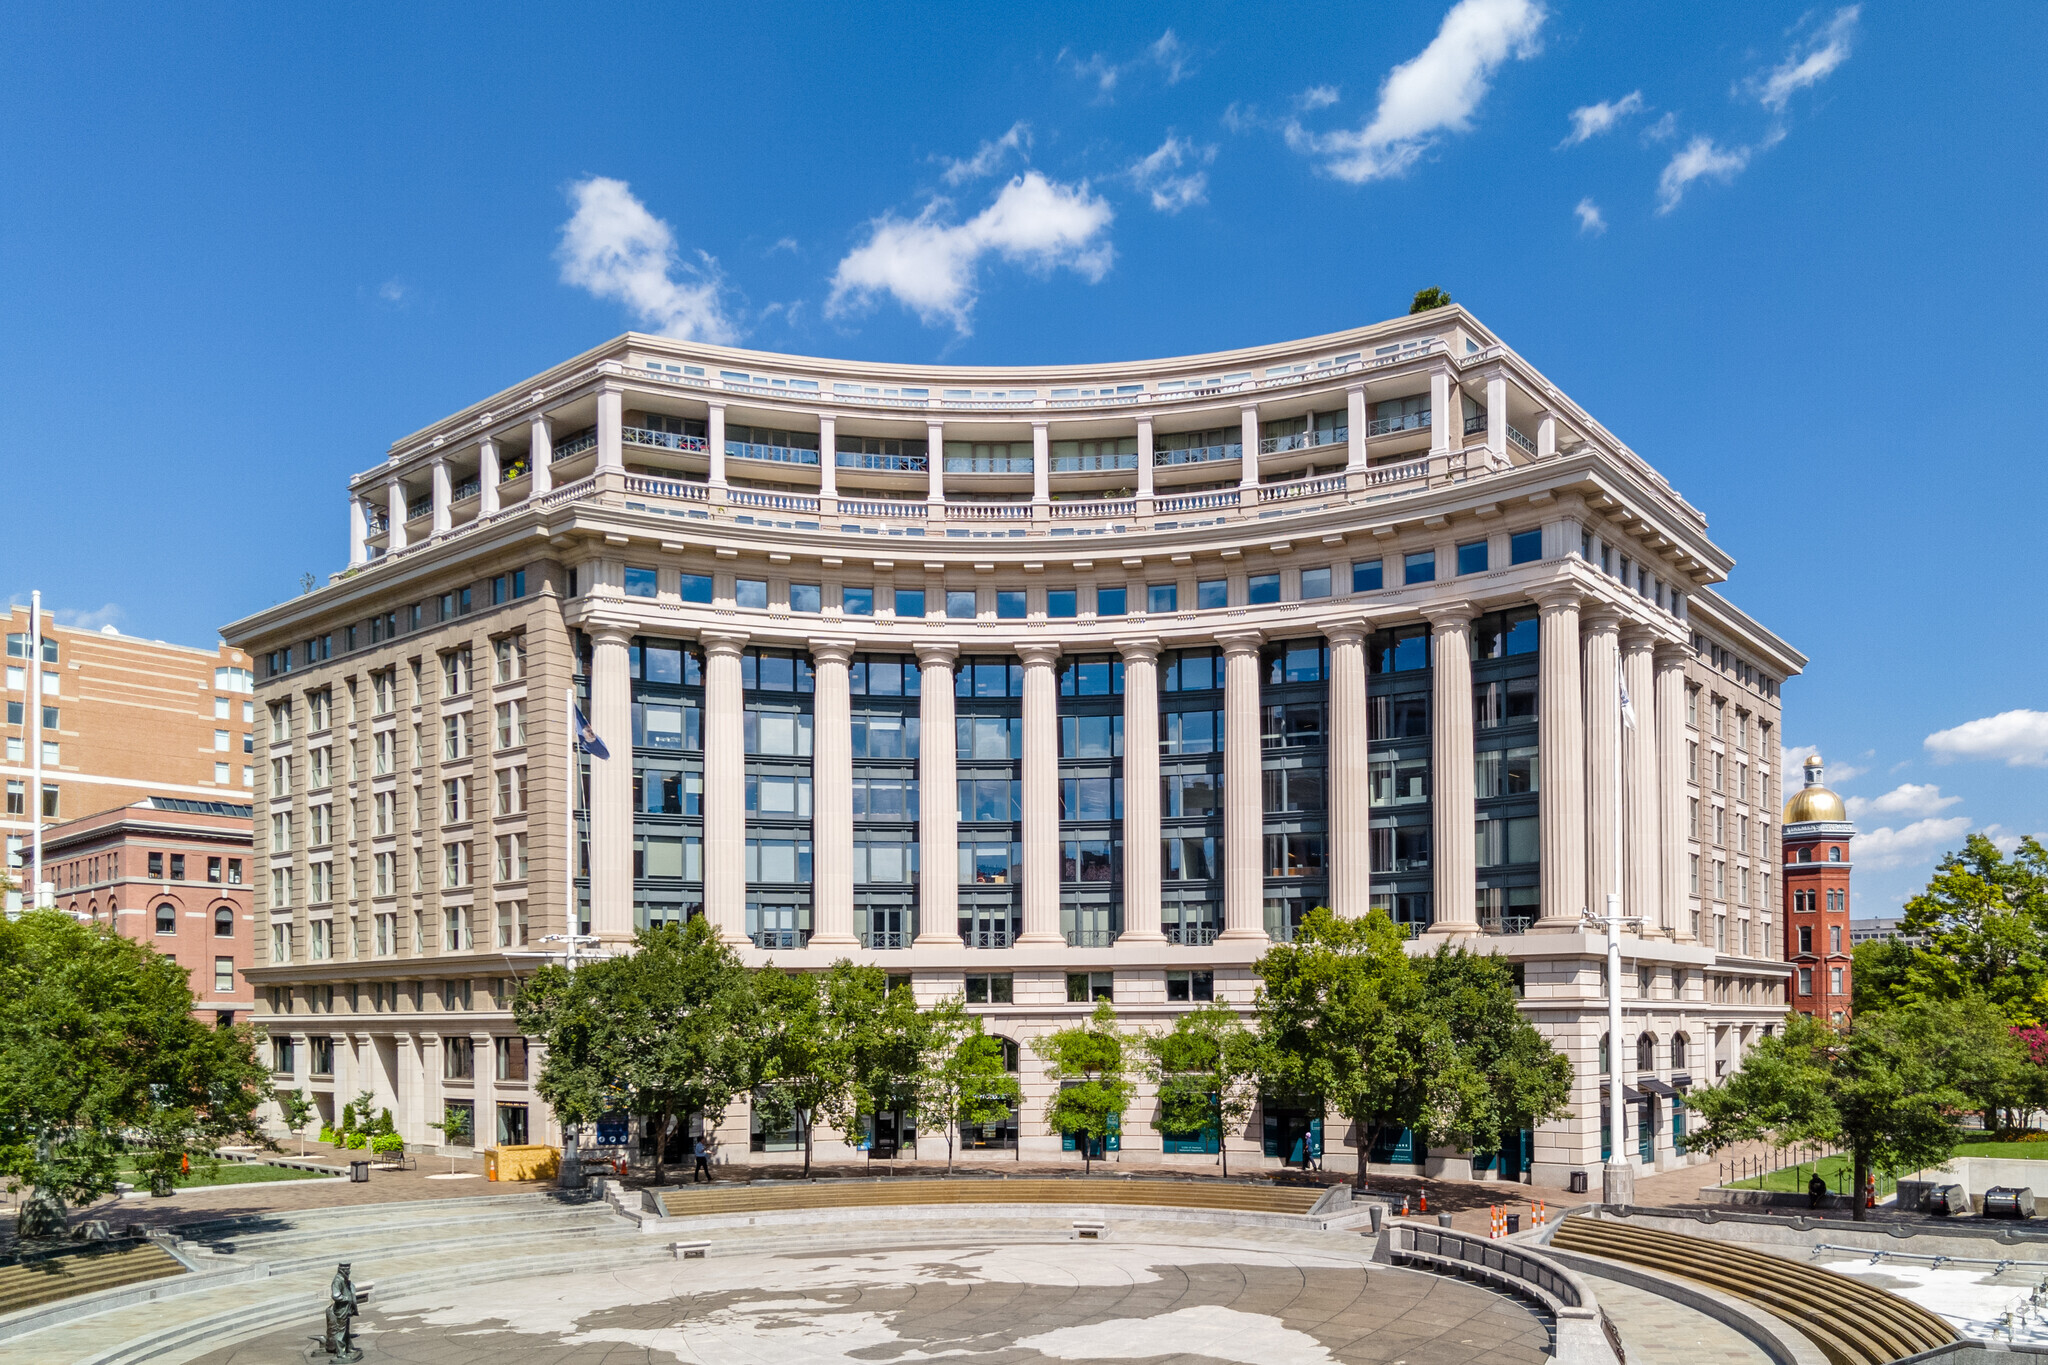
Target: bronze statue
341,1309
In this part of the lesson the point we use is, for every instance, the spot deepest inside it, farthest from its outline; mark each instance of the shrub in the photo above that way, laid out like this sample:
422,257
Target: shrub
358,1141
384,1124
387,1144
348,1118
328,1135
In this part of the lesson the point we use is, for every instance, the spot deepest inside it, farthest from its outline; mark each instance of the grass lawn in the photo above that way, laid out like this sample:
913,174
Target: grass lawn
226,1173
1839,1171
2028,1151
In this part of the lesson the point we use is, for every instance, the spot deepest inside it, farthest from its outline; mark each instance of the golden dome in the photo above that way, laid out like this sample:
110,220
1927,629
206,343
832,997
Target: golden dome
1814,801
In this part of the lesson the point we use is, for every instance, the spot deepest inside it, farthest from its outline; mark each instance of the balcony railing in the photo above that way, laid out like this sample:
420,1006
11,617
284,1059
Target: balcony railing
1407,421
881,507
1519,439
1191,935
986,938
747,450
988,511
1198,502
667,488
776,502
575,444
887,464
1198,454
378,522
1273,445
1093,464
892,938
1505,924
665,440
415,508
780,938
1302,488
988,464
1475,425
468,488
1074,510
1396,473
1091,938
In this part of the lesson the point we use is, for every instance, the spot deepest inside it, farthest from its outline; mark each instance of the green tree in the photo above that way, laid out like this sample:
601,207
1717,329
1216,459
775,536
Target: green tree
963,1081
1333,1012
1485,1070
802,1059
298,1114
1206,1068
98,1038
1426,299
1086,1062
1882,1088
1980,929
668,1030
880,1039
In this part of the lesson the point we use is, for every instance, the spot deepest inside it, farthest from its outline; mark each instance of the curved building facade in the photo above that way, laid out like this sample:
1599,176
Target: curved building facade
1035,685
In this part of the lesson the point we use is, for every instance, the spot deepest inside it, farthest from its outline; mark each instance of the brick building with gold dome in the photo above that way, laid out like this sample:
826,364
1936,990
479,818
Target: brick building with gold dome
1816,835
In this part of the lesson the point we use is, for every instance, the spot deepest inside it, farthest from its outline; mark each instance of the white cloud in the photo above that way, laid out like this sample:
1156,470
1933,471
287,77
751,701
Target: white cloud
1915,843
1590,221
2018,737
1698,159
1315,97
394,292
989,155
80,619
1172,56
1432,93
1160,174
1809,63
1663,130
788,244
613,247
929,265
1591,120
1908,798
1097,68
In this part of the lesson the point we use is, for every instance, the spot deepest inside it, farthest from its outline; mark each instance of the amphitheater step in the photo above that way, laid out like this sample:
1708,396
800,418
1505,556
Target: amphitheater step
82,1272
1852,1323
686,1203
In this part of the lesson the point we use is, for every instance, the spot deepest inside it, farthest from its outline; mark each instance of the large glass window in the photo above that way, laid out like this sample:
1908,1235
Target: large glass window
1419,568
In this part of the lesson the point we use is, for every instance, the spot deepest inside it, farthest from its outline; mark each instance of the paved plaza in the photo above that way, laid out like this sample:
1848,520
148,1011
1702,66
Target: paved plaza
997,1304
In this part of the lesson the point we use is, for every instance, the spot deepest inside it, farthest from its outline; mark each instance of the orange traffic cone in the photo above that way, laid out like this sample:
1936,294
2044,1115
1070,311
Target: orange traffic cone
1404,1206
1425,1201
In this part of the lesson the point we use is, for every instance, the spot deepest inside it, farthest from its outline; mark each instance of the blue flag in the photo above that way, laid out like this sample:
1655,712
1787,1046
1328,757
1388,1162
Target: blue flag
587,741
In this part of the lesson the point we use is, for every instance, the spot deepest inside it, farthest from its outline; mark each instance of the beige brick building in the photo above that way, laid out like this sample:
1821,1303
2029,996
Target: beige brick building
122,719
1031,685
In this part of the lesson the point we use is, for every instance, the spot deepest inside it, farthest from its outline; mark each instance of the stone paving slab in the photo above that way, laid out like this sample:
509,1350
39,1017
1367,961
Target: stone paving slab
1660,1331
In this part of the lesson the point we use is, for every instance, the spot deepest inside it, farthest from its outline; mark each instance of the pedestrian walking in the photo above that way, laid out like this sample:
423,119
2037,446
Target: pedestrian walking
703,1167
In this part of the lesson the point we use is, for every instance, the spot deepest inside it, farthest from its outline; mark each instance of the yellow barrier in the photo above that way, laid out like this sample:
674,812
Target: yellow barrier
522,1163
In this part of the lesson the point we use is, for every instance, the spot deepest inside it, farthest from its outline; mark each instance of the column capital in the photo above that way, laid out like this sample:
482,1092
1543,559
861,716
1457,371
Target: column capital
1241,641
1043,653
723,642
1637,635
715,404
428,1038
832,651
1671,654
1351,625
1146,648
1557,595
1600,617
931,652
439,461
1444,616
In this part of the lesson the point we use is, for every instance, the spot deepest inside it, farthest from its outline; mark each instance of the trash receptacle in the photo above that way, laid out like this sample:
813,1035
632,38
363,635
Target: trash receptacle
1578,1182
2009,1201
1514,1223
1443,1220
1945,1201
359,1172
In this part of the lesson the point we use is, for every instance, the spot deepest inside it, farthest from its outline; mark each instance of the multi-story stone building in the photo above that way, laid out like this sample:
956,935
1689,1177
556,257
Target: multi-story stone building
121,719
1820,941
174,873
1033,685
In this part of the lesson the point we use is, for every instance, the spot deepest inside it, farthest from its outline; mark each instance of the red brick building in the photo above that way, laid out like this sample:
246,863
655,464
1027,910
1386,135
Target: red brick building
175,873
1817,943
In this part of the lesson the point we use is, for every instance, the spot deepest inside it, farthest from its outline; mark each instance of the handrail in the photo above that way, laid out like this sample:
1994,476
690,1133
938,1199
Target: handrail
1198,454
1549,1282
666,440
988,511
1111,507
748,450
783,502
667,488
882,507
1198,502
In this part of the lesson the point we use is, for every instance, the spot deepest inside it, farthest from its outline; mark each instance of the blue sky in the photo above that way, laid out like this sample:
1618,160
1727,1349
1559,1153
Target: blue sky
1792,256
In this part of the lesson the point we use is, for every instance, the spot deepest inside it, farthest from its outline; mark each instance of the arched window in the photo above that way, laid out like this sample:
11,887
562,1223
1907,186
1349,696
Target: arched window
1605,1069
1805,855
1010,1052
224,922
1835,854
1678,1052
1646,1053
166,919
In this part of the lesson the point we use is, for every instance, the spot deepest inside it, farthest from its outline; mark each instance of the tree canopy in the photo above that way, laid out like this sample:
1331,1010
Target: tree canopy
1092,1091
1979,929
1426,299
98,1044
1206,1069
964,1080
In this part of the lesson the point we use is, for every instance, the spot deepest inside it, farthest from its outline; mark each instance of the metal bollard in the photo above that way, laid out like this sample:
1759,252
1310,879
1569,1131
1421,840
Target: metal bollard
1443,1220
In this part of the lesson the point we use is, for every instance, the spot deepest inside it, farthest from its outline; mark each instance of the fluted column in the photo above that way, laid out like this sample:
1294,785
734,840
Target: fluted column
486,477
725,787
938,806
832,796
1451,797
1041,796
611,434
611,784
1670,664
540,456
441,492
358,531
395,513
1600,627
1561,769
1141,791
1244,830
1642,806
1349,780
